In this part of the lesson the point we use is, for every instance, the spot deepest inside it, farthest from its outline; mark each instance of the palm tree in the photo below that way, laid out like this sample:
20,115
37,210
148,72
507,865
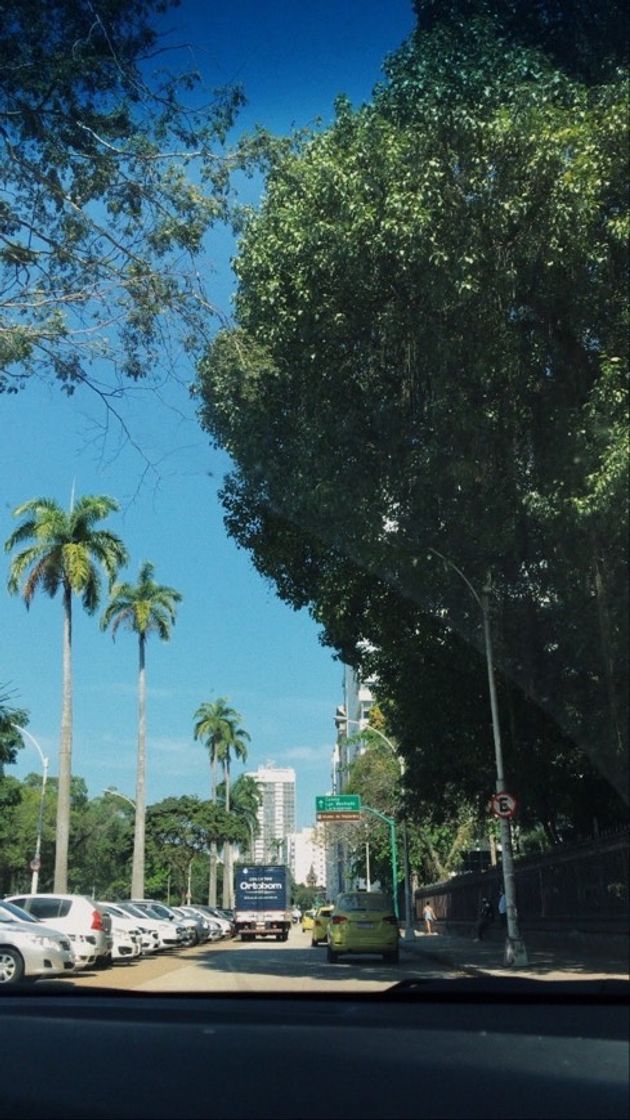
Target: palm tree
245,799
66,555
145,607
236,741
213,722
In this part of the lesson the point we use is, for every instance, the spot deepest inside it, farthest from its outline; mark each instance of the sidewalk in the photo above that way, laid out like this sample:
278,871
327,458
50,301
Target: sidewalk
556,959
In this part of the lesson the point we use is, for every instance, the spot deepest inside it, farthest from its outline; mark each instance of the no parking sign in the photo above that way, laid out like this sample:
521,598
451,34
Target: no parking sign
504,804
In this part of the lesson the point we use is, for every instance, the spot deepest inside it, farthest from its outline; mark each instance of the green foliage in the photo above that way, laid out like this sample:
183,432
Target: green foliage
68,549
11,719
113,169
179,829
431,346
144,607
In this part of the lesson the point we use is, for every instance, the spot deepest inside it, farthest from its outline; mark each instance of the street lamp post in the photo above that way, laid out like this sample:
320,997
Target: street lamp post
123,797
515,951
409,934
36,862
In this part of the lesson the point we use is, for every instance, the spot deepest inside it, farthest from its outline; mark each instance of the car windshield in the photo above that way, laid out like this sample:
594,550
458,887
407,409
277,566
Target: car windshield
10,912
314,460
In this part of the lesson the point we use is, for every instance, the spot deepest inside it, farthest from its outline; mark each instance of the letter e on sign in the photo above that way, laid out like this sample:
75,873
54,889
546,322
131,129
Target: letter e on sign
504,804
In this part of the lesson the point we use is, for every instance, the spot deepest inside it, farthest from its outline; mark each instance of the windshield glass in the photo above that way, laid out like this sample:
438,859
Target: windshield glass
313,374
10,912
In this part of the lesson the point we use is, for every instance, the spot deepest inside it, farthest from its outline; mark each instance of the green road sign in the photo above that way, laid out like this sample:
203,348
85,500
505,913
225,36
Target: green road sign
340,803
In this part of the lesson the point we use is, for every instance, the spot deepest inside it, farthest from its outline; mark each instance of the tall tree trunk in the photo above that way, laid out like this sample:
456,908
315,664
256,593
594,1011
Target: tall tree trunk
227,848
65,753
137,869
212,884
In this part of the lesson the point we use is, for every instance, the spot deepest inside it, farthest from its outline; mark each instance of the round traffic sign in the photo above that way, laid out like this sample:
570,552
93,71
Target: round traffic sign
504,804
35,864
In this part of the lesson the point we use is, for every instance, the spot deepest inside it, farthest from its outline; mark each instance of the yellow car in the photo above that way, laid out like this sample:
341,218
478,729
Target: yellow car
308,919
320,924
363,922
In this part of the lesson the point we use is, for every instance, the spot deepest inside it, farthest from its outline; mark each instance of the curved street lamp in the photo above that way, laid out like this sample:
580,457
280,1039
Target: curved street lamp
36,862
515,951
116,793
409,934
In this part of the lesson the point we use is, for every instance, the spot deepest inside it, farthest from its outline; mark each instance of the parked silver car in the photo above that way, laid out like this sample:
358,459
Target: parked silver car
80,918
212,929
28,950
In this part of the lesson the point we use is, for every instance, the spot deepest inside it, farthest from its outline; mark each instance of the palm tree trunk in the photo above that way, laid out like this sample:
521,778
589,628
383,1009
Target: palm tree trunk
137,869
65,753
212,884
227,847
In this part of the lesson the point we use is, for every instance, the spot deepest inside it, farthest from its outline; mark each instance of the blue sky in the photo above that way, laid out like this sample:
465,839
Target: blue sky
233,636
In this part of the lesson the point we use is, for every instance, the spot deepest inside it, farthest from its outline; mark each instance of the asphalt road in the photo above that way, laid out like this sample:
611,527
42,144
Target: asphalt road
258,966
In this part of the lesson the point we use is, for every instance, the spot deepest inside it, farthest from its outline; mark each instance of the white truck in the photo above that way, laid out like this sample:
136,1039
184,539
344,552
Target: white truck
262,897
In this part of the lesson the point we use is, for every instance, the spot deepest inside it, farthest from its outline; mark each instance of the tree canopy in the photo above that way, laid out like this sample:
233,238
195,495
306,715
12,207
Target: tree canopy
113,166
430,357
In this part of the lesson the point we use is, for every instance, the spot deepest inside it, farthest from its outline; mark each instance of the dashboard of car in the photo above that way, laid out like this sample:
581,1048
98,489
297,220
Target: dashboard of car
418,1050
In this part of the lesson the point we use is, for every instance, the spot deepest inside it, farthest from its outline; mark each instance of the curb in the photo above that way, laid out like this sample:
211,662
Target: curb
442,958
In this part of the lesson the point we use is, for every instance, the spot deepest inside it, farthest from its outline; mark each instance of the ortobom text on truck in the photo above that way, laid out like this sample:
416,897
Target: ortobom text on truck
262,897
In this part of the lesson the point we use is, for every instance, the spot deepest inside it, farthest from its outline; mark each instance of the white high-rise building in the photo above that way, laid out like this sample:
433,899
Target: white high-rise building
276,812
307,857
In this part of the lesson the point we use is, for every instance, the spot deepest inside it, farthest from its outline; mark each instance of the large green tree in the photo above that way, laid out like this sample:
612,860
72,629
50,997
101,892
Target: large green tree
68,550
114,164
181,828
430,345
145,608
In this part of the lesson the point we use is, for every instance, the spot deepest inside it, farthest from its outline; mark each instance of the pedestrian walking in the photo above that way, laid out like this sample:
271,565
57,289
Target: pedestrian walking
485,920
429,917
502,907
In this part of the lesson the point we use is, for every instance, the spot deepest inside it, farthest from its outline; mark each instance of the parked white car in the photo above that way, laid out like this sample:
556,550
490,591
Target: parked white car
79,918
127,939
169,937
149,939
29,950
186,927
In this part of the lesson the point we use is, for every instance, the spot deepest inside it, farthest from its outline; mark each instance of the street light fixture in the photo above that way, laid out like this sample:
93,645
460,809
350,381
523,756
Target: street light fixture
116,793
515,951
36,862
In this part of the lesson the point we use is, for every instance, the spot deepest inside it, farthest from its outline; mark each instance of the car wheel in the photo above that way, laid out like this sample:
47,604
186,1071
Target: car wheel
11,966
391,958
103,962
313,943
331,956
